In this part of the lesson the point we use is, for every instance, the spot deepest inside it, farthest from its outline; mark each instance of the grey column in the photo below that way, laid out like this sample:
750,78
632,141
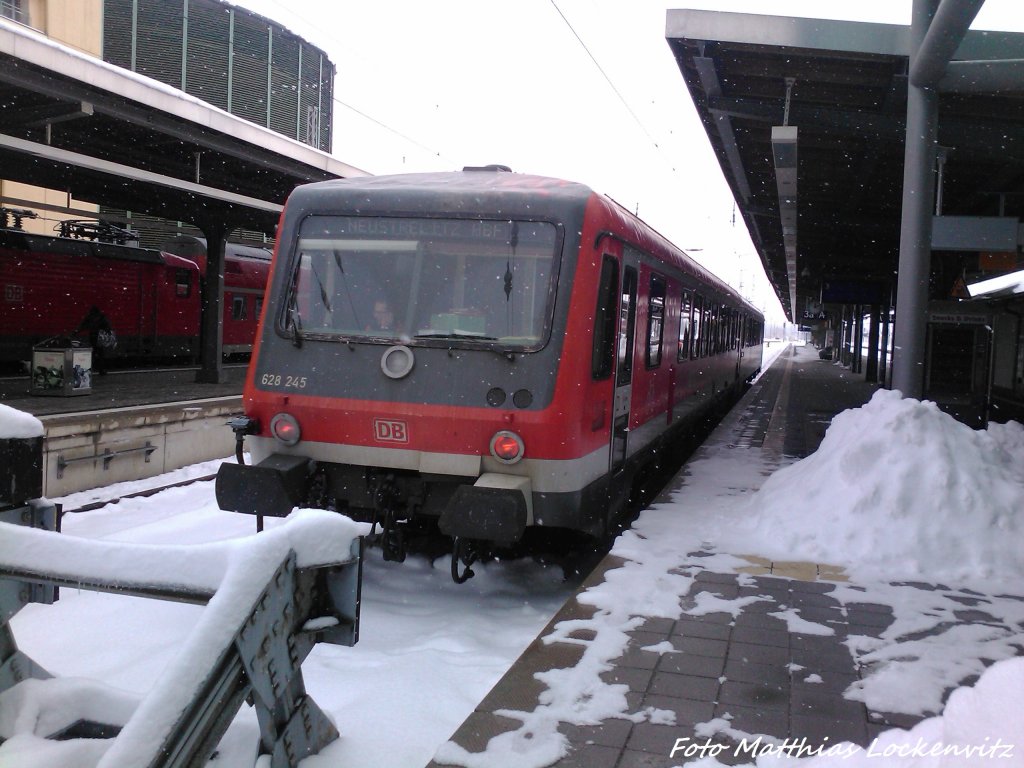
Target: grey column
884,367
211,366
846,358
858,338
871,374
916,223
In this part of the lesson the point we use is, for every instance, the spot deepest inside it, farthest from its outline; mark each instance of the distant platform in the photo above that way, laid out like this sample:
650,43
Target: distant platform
133,424
124,389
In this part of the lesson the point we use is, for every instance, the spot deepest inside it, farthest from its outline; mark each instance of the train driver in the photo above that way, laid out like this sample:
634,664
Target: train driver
383,318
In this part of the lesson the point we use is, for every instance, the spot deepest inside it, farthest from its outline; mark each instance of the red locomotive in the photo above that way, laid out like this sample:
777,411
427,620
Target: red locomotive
151,298
492,350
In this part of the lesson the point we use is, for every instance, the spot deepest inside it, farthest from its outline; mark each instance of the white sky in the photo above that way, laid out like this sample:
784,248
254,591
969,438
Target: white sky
437,86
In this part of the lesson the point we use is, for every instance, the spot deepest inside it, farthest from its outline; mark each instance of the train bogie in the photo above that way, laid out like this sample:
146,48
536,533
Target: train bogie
493,351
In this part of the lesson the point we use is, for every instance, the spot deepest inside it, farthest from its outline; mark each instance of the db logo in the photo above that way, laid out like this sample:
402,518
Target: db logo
390,431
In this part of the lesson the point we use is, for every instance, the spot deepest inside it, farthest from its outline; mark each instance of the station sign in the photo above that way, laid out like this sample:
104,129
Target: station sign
852,292
958,318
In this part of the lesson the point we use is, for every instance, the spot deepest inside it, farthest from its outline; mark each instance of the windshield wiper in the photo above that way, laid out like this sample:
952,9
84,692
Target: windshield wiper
508,354
294,325
461,335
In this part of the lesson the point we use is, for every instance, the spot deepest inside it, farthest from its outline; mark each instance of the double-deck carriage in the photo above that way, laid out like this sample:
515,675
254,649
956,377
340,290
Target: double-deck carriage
541,345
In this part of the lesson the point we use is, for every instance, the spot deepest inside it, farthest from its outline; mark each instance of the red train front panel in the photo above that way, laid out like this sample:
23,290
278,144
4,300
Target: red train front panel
429,347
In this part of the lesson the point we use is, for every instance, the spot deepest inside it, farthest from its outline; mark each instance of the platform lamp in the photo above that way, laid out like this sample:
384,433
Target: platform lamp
784,139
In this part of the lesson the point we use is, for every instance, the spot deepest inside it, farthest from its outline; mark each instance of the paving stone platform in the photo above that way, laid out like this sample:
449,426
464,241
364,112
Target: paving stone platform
747,667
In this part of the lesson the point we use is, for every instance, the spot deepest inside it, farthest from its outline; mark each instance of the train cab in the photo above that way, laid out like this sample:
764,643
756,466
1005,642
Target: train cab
487,350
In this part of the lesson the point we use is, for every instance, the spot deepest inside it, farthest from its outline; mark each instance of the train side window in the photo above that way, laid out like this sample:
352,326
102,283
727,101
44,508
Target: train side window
238,308
696,350
716,332
257,307
603,354
719,329
685,326
182,283
627,325
655,320
707,331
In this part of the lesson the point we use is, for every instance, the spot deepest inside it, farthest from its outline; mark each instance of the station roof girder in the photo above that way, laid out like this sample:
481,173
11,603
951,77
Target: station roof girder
73,122
846,84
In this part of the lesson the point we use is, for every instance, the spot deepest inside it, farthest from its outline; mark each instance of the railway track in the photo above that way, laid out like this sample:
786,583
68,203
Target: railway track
152,491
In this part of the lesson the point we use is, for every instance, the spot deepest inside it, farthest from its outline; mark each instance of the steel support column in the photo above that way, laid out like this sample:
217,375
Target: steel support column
211,366
947,25
916,223
858,339
846,358
885,368
871,373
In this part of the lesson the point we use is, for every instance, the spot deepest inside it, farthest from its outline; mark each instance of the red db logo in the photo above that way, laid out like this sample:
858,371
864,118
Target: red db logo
390,431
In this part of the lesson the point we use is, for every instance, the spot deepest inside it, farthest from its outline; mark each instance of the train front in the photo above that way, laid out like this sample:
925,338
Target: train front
406,364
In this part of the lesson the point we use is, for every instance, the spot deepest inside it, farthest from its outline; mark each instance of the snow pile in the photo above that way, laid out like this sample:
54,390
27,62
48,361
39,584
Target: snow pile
980,725
900,489
50,706
15,423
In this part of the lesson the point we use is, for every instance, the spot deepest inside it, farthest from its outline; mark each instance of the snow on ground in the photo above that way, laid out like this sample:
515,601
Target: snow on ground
428,651
899,493
235,572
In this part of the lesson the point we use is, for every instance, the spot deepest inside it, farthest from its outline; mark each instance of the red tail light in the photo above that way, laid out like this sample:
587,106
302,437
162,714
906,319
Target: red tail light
507,447
285,428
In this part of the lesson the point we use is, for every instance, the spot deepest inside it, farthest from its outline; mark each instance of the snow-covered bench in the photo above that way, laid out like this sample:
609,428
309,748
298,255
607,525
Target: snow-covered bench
269,598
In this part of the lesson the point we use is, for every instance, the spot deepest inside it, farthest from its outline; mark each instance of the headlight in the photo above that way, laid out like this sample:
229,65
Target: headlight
285,428
507,447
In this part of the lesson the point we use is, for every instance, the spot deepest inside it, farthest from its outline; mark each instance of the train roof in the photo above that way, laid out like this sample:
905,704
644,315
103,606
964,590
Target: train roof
514,193
413,186
19,240
192,246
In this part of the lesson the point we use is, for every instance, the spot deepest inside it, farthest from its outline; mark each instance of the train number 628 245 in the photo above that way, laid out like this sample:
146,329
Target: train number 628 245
278,380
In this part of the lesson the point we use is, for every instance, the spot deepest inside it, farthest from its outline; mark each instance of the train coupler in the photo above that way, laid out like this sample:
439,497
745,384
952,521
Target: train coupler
274,487
386,503
497,508
465,552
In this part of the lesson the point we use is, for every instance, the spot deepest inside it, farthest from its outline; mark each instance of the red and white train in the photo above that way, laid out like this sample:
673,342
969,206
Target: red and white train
492,350
152,298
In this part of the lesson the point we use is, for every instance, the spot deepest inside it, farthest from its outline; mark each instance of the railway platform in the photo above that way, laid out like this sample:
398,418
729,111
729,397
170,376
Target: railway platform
715,681
133,424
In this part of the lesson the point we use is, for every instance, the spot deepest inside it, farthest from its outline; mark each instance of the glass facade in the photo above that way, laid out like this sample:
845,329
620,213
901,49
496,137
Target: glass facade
14,9
228,57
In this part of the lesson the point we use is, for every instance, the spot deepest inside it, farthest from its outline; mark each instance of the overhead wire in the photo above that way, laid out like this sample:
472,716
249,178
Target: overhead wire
604,74
436,153
387,127
288,9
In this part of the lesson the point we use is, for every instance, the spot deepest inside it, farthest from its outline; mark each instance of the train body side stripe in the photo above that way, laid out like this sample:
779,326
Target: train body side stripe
547,475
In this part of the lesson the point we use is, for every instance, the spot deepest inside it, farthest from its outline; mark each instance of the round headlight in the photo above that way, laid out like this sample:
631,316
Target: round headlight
507,447
285,428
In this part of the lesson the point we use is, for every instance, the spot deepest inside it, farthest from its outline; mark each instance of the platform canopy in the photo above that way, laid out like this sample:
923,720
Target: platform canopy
105,135
72,122
808,120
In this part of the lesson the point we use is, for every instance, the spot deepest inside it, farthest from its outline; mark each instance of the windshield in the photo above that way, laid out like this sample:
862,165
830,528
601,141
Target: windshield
418,279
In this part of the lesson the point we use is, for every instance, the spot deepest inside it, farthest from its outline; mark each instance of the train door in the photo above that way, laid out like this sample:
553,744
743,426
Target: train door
624,353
